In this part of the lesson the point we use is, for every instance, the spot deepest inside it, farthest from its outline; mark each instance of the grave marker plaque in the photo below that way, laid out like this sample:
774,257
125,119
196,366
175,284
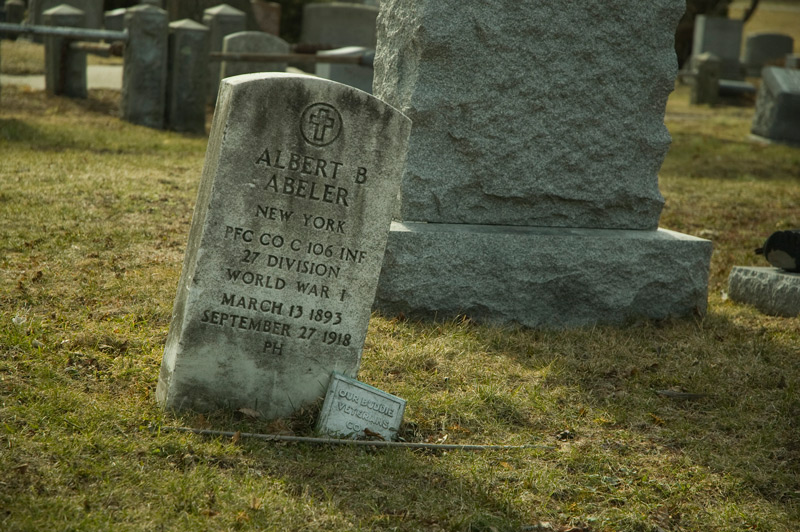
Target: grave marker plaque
287,240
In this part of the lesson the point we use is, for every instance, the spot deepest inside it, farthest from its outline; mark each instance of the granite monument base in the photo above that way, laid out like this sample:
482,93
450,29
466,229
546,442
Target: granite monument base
540,276
770,290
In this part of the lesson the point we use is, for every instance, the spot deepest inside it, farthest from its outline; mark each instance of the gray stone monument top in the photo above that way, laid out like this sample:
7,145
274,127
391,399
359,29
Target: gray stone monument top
519,135
286,244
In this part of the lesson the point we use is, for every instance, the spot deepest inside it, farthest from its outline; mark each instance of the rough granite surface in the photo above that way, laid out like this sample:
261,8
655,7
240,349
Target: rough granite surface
771,290
542,277
530,113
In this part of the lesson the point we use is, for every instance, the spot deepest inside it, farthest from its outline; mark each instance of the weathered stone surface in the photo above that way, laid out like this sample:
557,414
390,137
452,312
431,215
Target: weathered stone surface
777,115
542,277
772,291
763,48
531,113
351,406
144,73
187,75
339,24
286,244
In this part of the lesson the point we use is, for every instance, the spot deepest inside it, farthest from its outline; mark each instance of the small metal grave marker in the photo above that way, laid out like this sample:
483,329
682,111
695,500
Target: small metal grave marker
356,410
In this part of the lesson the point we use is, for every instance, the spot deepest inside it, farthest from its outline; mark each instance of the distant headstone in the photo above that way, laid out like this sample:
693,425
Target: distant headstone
707,69
530,193
267,15
762,48
114,20
252,42
221,20
65,70
339,24
286,244
93,10
358,76
356,410
772,291
144,73
15,12
186,71
723,38
777,115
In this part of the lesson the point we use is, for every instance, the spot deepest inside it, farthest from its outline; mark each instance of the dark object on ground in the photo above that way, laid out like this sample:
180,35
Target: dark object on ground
782,250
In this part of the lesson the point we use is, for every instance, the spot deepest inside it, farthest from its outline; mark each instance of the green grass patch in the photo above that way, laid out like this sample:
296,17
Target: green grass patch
95,215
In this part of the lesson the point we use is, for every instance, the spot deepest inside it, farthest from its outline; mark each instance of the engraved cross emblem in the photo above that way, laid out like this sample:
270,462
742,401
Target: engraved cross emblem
320,124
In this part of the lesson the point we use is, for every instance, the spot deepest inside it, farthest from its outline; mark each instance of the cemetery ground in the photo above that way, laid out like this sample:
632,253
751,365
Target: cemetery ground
674,425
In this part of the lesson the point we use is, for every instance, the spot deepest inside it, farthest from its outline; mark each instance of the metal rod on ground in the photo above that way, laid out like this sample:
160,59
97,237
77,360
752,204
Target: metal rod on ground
367,443
365,60
62,31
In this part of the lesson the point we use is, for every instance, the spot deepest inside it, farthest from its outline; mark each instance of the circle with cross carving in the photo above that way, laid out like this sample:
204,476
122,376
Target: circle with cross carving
320,124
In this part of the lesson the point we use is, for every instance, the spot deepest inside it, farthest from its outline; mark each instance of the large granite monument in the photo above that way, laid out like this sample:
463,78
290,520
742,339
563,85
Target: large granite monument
530,193
286,244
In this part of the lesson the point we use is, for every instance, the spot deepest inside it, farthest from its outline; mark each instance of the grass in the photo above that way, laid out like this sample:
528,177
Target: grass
95,215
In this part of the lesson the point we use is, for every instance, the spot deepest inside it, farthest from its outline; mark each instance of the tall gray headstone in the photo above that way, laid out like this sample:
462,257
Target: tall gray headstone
65,70
252,42
777,115
723,38
286,244
763,48
339,24
530,193
186,72
144,74
221,20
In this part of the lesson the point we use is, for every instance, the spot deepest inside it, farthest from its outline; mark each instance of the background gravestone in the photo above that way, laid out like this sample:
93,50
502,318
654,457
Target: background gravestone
252,42
530,193
722,37
93,10
221,20
777,115
65,70
762,48
358,76
185,104
286,244
144,72
339,24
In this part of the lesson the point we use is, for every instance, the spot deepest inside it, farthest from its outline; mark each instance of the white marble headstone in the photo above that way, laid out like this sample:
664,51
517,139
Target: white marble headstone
287,239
